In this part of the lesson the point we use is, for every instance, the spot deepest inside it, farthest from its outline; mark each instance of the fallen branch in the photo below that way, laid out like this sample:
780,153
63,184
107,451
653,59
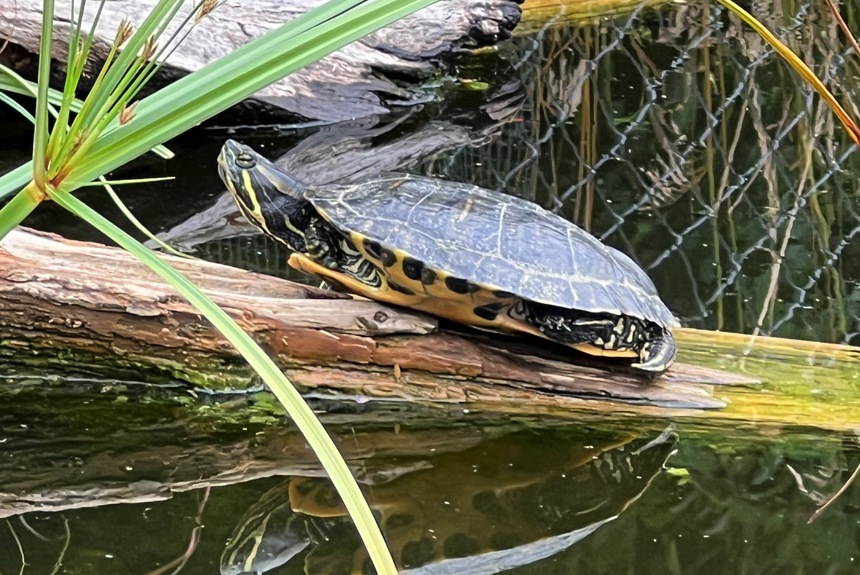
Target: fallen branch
85,308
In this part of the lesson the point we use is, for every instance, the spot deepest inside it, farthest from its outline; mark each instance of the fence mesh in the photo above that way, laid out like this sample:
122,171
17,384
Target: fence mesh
678,136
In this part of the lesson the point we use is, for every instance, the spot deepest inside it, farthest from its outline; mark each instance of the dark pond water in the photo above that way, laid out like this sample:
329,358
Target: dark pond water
687,146
455,492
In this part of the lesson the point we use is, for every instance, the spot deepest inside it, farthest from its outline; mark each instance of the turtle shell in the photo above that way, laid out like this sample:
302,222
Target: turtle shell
494,240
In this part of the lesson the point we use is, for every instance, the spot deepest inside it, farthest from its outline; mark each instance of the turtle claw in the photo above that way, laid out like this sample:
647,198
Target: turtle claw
656,356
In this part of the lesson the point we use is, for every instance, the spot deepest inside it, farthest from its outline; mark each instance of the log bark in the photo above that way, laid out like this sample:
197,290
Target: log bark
90,309
367,77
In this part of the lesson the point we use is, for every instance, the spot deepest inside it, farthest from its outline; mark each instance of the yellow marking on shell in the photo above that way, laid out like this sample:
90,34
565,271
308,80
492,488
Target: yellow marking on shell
466,209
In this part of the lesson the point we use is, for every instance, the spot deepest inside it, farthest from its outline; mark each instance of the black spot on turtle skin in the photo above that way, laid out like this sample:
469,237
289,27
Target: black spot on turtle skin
428,276
399,288
412,268
489,311
387,258
459,285
373,249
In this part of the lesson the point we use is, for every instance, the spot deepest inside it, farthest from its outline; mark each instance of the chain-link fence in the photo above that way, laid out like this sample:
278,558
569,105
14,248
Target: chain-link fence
678,136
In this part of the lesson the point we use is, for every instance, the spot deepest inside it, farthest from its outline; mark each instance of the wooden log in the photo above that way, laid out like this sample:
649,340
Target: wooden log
89,308
356,81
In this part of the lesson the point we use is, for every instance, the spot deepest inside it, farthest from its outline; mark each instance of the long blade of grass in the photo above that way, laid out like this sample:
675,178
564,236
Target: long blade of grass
259,360
799,66
11,81
73,74
12,182
133,219
834,9
40,138
17,107
18,208
99,104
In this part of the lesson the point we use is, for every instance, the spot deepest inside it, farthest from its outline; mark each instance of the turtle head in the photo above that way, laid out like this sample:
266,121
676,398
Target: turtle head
268,197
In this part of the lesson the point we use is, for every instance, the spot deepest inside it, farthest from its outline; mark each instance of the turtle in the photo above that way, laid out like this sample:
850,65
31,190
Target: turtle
485,259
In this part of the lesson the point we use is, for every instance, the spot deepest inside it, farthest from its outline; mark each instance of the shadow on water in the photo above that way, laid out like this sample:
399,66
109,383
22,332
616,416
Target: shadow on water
687,146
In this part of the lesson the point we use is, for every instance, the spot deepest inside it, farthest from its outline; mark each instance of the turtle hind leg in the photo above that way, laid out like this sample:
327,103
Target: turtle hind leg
649,345
592,333
656,355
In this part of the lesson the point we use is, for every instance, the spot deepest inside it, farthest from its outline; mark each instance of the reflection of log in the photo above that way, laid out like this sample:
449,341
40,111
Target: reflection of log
75,451
90,308
364,78
80,450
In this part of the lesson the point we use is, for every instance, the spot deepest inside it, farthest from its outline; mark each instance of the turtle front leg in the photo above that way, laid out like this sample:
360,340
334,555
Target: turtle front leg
318,245
656,354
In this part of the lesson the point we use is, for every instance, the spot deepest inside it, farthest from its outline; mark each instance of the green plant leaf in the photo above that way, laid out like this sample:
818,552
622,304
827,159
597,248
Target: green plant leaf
12,182
41,134
799,66
216,87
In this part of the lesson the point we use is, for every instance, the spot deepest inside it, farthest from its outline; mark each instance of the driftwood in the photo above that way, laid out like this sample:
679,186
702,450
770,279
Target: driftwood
357,81
88,308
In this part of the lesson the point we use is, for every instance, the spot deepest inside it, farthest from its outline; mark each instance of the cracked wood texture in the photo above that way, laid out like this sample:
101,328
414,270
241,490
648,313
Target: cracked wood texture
91,309
364,78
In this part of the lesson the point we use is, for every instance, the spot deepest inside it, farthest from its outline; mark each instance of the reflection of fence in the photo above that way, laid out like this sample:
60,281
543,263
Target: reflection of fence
679,137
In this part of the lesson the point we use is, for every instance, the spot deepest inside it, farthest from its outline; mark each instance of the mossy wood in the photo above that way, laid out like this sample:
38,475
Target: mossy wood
89,308
382,71
83,450
538,14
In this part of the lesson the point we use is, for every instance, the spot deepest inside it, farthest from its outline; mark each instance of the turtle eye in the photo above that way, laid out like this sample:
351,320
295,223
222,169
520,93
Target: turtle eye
245,161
